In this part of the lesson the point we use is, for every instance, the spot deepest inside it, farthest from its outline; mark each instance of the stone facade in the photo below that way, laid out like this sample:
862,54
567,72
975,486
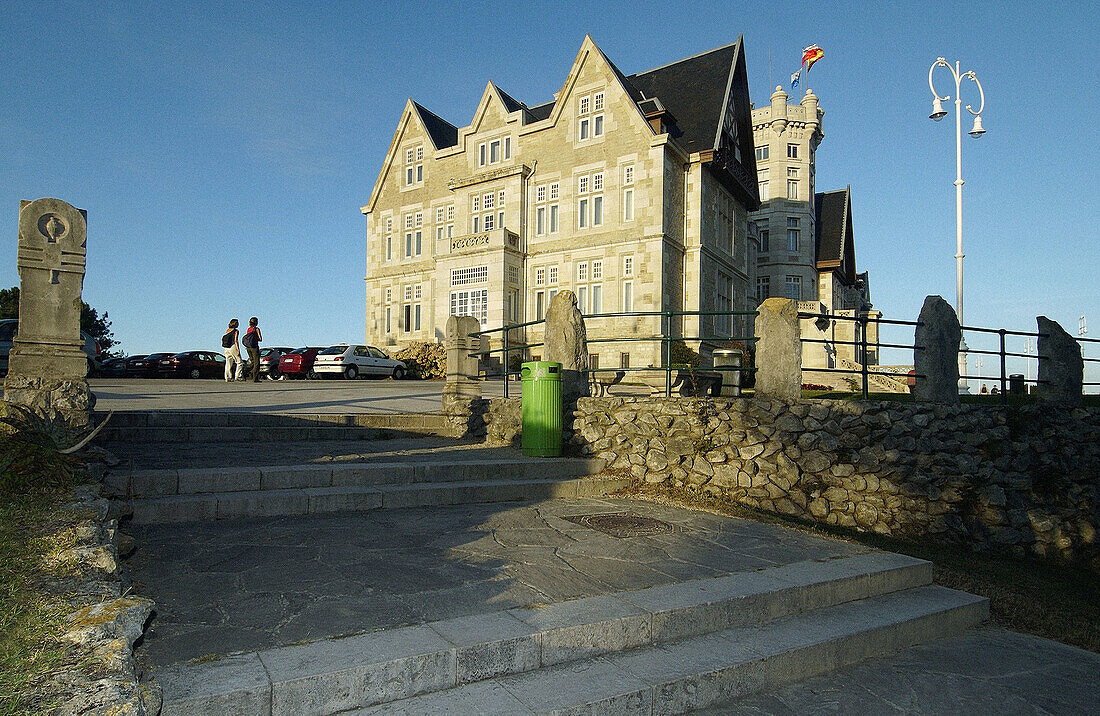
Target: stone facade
618,190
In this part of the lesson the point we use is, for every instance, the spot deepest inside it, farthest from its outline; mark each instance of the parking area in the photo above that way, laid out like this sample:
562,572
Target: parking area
284,396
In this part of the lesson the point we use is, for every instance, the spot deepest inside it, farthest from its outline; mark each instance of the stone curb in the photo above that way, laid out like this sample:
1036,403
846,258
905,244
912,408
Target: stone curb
340,674
714,668
161,483
319,500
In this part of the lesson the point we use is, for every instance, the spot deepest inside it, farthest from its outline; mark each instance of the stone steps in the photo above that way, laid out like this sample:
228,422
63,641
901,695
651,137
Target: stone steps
160,496
137,427
665,649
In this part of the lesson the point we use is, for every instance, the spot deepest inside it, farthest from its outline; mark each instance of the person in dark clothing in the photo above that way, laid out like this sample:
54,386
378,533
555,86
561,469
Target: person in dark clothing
251,342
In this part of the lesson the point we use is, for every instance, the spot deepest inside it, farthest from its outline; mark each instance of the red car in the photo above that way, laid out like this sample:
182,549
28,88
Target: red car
299,363
192,364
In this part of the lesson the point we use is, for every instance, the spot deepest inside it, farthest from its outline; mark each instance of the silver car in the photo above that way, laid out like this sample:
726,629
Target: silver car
354,361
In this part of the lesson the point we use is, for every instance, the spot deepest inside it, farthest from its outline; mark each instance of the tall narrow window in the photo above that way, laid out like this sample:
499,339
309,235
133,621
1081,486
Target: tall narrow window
792,183
794,287
763,288
762,179
793,232
628,192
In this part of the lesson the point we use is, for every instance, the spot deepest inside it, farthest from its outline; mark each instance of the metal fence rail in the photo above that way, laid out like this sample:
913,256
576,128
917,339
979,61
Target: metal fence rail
860,345
666,339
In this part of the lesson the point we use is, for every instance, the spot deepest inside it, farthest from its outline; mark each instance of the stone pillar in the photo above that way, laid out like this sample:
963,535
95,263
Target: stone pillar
565,341
778,350
462,403
1061,369
936,356
47,366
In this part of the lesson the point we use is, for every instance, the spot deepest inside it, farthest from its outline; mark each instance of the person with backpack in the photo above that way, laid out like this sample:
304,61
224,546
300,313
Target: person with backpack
251,342
232,351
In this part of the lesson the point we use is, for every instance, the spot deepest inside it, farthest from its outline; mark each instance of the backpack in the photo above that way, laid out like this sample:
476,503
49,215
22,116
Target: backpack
249,340
227,339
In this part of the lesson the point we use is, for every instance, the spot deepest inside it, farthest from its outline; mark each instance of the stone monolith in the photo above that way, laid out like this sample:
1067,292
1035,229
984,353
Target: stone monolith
47,366
566,342
936,354
778,350
1061,368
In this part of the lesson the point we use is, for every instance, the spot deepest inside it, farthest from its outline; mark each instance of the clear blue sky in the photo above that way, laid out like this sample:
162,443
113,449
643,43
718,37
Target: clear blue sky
223,150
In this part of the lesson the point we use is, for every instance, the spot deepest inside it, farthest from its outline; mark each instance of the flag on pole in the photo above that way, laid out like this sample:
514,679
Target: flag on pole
810,55
795,78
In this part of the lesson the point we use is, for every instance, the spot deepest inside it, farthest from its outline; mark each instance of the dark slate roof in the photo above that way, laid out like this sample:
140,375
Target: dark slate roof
692,90
831,211
541,111
510,103
442,132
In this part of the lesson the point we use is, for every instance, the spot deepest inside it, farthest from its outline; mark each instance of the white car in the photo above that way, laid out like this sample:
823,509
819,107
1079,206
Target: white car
354,361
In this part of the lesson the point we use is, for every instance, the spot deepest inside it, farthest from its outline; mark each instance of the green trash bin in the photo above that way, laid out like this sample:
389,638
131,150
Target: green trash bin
541,405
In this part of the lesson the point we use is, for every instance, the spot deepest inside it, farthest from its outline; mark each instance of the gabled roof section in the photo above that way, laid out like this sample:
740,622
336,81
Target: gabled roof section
833,235
694,90
442,133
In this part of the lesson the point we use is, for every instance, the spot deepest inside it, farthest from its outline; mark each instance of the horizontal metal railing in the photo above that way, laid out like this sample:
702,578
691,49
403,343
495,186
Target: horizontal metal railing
666,338
860,344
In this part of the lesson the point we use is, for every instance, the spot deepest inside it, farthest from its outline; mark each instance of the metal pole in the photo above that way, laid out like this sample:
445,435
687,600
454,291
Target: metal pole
1004,384
668,354
863,357
507,363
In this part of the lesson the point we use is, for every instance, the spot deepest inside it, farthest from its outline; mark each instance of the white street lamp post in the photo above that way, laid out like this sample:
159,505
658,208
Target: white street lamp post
938,113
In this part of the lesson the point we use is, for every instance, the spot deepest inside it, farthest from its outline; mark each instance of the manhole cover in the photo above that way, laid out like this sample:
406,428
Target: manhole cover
622,524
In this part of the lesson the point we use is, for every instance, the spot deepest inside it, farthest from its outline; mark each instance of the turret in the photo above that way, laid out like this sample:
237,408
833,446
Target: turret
779,110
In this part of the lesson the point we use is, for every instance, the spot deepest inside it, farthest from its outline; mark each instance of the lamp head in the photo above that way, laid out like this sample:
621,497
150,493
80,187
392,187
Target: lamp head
978,129
938,112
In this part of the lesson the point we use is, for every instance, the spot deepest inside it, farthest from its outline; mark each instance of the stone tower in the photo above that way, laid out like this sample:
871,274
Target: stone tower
786,137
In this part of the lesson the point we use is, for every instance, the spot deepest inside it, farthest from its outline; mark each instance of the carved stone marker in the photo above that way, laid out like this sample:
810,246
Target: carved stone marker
778,350
936,354
47,365
1061,368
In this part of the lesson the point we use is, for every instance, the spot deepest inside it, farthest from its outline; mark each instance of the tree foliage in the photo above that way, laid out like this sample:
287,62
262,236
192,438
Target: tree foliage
95,325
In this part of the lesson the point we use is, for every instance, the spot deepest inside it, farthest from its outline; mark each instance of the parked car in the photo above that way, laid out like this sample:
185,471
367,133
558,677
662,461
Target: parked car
10,326
353,361
299,363
112,368
145,366
269,362
128,370
193,364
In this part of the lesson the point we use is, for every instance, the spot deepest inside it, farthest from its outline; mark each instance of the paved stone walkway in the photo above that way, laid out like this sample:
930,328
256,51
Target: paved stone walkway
282,396
227,587
985,671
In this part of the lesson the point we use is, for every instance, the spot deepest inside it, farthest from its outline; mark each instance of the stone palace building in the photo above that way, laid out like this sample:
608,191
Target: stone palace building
637,192
633,192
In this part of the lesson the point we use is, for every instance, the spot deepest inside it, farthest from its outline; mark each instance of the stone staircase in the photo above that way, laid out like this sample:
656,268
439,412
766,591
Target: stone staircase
284,472
879,383
198,494
665,649
201,426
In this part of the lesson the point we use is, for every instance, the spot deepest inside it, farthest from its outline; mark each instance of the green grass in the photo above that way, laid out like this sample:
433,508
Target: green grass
1051,600
30,618
34,480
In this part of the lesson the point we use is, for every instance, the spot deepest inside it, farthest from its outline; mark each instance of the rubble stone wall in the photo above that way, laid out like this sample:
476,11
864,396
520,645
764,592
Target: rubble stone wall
1018,480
